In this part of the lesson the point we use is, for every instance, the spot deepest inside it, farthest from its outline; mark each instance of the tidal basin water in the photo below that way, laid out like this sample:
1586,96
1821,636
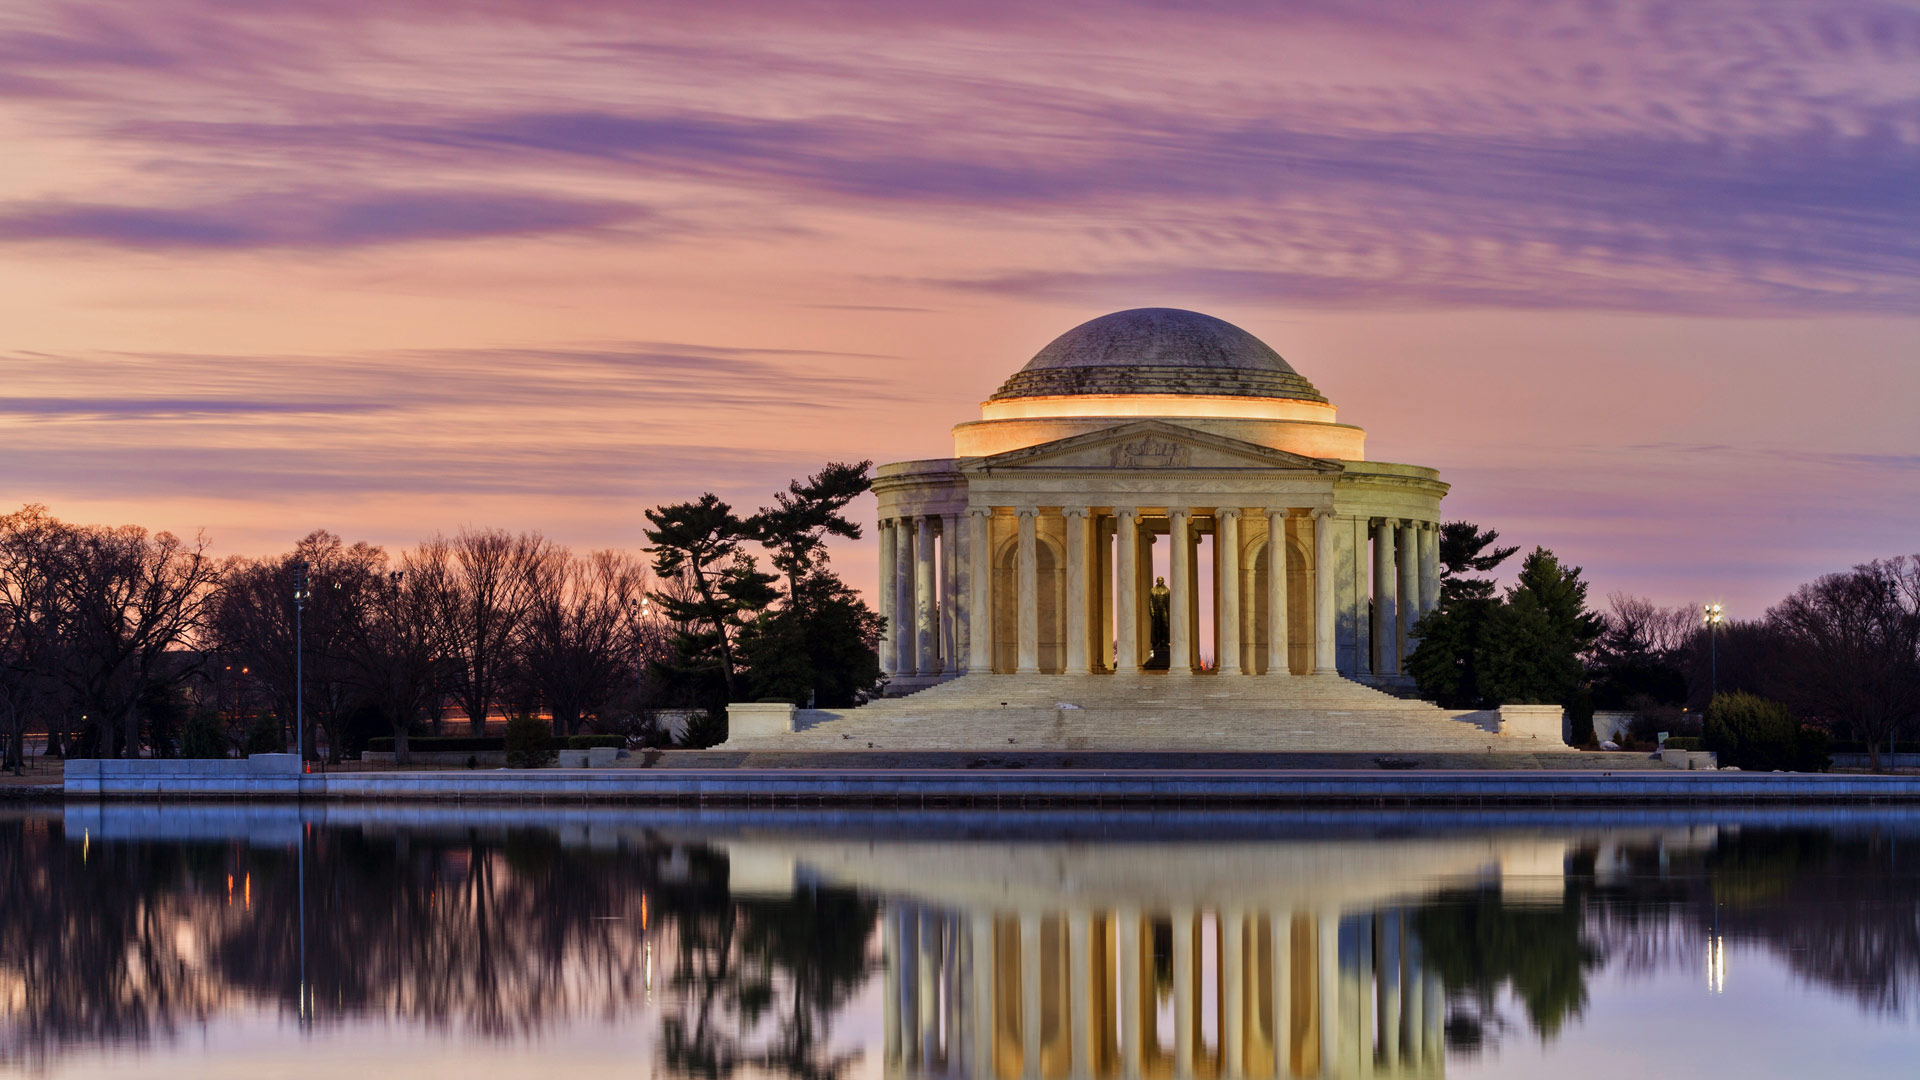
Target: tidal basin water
334,941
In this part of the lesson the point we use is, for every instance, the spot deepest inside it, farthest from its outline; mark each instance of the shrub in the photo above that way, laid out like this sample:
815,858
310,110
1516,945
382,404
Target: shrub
704,729
1754,733
204,736
529,743
264,736
1684,743
588,742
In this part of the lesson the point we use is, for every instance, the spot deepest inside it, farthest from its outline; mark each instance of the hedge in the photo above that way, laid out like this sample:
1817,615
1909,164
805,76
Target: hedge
383,744
589,742
487,743
1685,744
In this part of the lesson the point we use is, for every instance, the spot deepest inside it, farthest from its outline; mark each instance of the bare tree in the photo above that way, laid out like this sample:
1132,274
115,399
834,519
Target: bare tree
29,622
254,621
482,605
128,599
403,642
576,645
1853,649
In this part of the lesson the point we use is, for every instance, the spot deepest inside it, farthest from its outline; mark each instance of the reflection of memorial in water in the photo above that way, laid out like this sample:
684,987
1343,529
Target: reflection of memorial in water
1203,994
1236,961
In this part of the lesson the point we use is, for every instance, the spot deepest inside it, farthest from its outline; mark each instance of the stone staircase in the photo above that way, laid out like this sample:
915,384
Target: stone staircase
1153,711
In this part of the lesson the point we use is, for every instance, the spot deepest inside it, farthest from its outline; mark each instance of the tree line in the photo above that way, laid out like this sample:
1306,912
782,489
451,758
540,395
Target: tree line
1840,653
117,640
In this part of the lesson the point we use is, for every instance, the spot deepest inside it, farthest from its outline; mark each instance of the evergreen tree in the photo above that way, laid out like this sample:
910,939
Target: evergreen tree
796,527
1530,646
821,644
823,650
1463,551
1443,663
700,542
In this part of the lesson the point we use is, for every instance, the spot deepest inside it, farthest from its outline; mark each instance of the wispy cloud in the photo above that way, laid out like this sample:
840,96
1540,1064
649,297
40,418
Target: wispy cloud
313,219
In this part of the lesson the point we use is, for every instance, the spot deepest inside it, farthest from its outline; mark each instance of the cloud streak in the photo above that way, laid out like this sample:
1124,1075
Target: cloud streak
313,219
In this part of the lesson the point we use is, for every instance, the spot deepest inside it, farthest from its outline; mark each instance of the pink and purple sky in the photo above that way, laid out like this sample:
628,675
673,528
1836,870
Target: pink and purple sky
1641,279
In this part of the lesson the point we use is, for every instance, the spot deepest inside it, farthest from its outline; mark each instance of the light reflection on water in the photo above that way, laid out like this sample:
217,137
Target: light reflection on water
1068,946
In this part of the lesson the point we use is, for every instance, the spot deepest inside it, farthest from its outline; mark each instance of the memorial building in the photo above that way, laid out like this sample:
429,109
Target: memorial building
1148,445
1158,534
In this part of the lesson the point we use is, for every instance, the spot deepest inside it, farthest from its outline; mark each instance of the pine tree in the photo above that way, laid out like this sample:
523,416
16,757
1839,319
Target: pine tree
1530,647
1443,663
700,542
821,644
1463,551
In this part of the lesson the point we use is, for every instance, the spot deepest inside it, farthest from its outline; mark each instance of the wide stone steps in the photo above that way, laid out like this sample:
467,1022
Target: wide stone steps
1317,713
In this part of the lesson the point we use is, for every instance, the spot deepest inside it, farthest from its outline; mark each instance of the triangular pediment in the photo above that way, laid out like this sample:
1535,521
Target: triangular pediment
1154,445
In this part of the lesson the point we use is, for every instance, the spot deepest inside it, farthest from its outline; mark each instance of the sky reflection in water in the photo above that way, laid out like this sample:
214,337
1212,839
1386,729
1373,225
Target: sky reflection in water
507,943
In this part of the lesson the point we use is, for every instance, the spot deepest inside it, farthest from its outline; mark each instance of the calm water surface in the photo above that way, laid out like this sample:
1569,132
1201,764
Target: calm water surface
483,943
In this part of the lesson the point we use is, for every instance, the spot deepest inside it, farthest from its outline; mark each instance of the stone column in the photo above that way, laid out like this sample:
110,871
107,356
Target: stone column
1030,990
1385,644
1076,590
1179,594
1429,566
1325,660
1279,659
1281,942
951,647
890,965
890,640
1027,615
1233,993
1413,990
1331,999
1186,1016
1080,991
909,929
924,614
1126,618
1127,933
1409,606
905,644
1227,545
1387,964
981,959
932,968
979,590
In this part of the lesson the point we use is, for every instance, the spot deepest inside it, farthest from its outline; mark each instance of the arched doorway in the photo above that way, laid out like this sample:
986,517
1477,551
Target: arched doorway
1051,596
1299,605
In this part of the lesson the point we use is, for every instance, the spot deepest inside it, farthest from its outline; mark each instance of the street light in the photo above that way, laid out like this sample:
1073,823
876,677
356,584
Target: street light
300,595
640,657
1715,615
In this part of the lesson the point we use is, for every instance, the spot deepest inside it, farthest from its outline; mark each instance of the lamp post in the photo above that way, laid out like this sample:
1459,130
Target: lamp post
1715,615
640,651
300,595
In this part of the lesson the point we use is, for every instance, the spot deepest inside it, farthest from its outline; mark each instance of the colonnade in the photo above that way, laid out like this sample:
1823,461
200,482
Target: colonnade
1226,994
963,590
922,567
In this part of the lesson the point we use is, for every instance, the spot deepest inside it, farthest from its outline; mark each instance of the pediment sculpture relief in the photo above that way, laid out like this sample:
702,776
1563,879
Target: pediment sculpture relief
1150,453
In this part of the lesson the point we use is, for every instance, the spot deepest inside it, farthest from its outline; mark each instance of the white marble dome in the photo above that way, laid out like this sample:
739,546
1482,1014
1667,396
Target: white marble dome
1158,351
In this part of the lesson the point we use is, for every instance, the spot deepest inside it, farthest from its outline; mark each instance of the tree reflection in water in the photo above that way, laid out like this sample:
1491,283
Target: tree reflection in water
479,933
510,933
1837,908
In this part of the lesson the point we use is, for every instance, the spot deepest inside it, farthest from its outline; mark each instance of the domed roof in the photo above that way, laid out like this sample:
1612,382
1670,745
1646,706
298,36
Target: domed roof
1158,351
